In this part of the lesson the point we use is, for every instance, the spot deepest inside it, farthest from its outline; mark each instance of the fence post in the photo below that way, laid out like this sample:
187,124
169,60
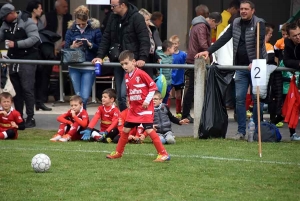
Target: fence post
199,88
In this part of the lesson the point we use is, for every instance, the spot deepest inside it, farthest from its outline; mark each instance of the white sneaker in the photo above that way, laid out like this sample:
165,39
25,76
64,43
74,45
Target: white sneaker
65,138
295,137
55,138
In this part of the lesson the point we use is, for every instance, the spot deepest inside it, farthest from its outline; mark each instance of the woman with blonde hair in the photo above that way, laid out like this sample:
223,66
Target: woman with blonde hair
154,40
83,33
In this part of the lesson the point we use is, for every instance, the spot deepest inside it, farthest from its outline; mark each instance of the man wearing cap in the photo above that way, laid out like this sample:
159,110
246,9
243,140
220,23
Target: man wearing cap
22,39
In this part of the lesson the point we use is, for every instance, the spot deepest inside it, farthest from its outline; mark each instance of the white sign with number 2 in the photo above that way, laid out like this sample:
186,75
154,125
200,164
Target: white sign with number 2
259,72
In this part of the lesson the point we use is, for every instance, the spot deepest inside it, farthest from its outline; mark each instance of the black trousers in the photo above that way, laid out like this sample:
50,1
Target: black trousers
42,80
22,77
189,95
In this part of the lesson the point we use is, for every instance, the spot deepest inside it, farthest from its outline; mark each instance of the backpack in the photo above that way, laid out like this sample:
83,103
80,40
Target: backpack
161,84
269,133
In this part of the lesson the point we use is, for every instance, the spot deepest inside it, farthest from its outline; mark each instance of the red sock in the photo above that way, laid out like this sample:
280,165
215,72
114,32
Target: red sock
157,143
122,142
169,102
178,105
2,136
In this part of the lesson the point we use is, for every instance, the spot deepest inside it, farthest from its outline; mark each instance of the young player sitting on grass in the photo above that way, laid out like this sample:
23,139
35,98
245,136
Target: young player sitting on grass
162,120
10,119
136,135
71,122
108,113
140,90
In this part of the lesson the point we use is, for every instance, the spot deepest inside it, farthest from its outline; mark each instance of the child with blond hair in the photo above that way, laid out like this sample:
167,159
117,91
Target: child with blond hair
72,121
179,57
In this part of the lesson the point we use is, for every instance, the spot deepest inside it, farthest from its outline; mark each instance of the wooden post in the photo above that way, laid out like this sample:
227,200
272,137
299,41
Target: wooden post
258,101
199,89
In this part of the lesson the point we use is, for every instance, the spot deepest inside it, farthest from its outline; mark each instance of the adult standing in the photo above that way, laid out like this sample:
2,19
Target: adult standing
88,31
57,21
199,40
42,76
23,39
232,10
154,40
243,32
125,30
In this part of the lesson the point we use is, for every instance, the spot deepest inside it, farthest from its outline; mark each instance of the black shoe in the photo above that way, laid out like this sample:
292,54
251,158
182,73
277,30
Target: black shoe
42,107
191,119
30,122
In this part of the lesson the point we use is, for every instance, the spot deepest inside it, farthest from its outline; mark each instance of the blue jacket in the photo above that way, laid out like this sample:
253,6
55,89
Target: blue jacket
92,33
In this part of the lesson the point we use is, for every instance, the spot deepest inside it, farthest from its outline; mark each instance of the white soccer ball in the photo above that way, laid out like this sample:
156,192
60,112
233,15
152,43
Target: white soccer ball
40,163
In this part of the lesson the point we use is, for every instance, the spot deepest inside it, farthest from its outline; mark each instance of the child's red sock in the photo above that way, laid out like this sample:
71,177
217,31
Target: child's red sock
178,105
157,143
169,102
122,142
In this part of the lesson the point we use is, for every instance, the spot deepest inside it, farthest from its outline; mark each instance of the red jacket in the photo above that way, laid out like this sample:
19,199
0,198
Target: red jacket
291,106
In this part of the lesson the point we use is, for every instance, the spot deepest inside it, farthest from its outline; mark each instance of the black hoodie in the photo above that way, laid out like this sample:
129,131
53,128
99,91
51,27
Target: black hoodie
291,55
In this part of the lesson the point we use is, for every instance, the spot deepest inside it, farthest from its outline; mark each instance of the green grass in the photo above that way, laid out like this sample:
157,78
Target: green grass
198,170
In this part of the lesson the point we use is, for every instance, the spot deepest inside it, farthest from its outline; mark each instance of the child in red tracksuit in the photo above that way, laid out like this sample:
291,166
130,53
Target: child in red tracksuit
10,119
140,90
108,113
71,122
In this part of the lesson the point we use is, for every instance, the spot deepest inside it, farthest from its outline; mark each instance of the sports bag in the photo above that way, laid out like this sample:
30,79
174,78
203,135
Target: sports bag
161,84
269,133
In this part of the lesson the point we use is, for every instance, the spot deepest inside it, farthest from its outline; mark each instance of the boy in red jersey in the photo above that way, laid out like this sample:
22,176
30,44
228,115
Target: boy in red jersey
71,122
10,119
140,90
108,113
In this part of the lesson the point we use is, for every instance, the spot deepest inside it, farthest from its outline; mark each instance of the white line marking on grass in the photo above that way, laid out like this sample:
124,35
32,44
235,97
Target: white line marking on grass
172,155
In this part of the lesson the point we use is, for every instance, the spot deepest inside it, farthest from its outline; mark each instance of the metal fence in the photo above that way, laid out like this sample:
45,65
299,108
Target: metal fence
200,67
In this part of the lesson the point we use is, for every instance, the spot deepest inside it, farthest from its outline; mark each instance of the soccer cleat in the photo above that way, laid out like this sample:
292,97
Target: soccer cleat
56,137
114,155
65,138
248,114
178,115
162,158
279,125
295,137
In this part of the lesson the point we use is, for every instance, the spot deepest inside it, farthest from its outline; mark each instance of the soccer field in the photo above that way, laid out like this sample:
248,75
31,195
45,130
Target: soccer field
199,170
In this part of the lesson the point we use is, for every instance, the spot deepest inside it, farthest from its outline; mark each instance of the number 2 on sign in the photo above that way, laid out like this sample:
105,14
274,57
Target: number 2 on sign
259,72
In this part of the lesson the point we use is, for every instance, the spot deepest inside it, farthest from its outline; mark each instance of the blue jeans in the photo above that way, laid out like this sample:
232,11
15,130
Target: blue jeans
119,74
82,81
242,82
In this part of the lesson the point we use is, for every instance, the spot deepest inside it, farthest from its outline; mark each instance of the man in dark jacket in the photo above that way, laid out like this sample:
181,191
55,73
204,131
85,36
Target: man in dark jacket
243,33
199,40
57,21
22,39
126,30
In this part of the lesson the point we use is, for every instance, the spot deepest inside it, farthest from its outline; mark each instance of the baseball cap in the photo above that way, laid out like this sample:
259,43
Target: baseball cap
5,10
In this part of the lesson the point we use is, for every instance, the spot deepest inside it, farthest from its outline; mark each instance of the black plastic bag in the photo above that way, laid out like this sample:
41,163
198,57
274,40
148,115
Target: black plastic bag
214,118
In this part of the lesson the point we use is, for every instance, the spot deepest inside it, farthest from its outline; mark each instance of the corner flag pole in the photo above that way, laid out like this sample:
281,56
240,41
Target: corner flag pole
257,96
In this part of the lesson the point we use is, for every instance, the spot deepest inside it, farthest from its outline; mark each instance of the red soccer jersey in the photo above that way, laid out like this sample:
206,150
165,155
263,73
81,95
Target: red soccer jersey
82,118
12,116
109,118
138,86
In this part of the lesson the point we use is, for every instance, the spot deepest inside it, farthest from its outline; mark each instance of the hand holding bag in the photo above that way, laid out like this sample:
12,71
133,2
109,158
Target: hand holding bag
72,56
